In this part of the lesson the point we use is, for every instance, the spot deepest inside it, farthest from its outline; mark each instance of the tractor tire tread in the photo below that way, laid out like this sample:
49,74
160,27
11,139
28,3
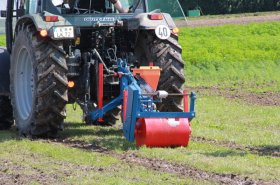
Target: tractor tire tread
51,85
167,54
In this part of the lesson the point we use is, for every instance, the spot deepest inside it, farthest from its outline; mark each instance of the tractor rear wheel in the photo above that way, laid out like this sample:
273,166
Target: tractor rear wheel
38,83
6,113
167,54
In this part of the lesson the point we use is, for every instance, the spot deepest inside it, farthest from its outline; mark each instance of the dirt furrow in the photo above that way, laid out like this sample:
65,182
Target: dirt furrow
133,159
15,172
262,99
12,173
272,151
225,20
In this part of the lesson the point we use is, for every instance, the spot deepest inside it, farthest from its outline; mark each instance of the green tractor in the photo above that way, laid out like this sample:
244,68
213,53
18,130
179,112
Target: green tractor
53,51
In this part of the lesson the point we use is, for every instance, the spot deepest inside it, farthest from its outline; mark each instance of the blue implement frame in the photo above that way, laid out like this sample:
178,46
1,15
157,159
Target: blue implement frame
135,100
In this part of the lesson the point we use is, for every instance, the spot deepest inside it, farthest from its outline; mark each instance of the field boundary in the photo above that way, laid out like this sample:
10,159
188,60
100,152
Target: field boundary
226,20
251,98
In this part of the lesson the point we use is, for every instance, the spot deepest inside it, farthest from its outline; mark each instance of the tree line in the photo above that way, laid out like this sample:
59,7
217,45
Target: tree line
230,6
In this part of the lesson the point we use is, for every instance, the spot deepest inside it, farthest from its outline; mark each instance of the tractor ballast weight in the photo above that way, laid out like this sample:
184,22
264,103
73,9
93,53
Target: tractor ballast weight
88,53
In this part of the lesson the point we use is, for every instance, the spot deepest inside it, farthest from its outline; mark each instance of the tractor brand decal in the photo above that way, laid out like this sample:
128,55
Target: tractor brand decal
99,19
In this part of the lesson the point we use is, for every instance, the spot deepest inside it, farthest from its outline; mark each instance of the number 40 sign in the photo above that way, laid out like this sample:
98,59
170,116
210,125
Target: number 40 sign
163,32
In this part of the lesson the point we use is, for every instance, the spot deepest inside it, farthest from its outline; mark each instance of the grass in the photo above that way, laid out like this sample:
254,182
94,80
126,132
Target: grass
2,40
35,160
220,160
237,122
230,121
246,56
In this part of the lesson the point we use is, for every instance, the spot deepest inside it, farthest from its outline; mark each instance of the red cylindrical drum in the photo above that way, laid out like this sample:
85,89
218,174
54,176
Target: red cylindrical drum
162,132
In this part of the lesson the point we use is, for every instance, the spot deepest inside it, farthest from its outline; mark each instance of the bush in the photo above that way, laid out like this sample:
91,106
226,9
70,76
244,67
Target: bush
231,6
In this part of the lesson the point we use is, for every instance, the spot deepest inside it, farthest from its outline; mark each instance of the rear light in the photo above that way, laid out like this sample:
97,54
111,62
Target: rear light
51,18
175,30
155,16
44,33
71,84
78,41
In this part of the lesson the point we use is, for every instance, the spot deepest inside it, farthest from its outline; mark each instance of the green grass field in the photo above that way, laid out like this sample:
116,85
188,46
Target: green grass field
232,141
233,56
2,40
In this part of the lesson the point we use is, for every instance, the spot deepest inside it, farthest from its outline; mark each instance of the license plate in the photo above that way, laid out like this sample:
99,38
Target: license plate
63,32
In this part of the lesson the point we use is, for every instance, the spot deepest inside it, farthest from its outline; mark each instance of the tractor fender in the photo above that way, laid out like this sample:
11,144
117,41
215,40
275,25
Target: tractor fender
147,24
38,21
4,72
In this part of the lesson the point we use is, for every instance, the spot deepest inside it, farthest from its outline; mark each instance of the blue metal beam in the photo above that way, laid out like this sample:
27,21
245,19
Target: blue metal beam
166,115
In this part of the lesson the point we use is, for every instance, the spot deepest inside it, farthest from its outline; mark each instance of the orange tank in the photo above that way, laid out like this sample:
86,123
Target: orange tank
150,74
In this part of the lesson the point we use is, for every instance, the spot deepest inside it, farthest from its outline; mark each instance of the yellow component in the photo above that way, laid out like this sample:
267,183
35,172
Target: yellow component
71,84
78,41
175,30
44,33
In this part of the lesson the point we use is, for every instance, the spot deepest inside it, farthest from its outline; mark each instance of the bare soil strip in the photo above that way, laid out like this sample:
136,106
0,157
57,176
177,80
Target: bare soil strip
132,158
263,99
224,21
12,173
272,151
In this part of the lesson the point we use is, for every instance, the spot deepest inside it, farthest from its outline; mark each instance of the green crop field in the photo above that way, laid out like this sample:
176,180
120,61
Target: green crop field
233,56
235,137
2,40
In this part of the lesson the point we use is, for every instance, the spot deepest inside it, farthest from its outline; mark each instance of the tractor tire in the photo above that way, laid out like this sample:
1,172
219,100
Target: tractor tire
109,119
112,117
167,54
6,113
38,83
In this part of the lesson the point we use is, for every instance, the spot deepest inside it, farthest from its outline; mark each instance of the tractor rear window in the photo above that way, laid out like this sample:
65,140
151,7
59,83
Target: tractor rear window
95,6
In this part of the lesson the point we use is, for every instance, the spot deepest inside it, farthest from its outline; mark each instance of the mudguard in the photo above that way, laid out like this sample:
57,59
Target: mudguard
4,72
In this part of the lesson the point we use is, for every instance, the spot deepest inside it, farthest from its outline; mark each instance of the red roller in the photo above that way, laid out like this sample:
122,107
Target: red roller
162,132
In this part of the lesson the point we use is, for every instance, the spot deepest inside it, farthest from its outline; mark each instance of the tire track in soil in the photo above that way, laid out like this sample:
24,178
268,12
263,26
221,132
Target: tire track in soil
16,177
271,151
262,99
10,172
132,158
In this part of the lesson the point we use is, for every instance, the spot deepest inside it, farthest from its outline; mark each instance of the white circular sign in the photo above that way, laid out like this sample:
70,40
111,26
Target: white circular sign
163,32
